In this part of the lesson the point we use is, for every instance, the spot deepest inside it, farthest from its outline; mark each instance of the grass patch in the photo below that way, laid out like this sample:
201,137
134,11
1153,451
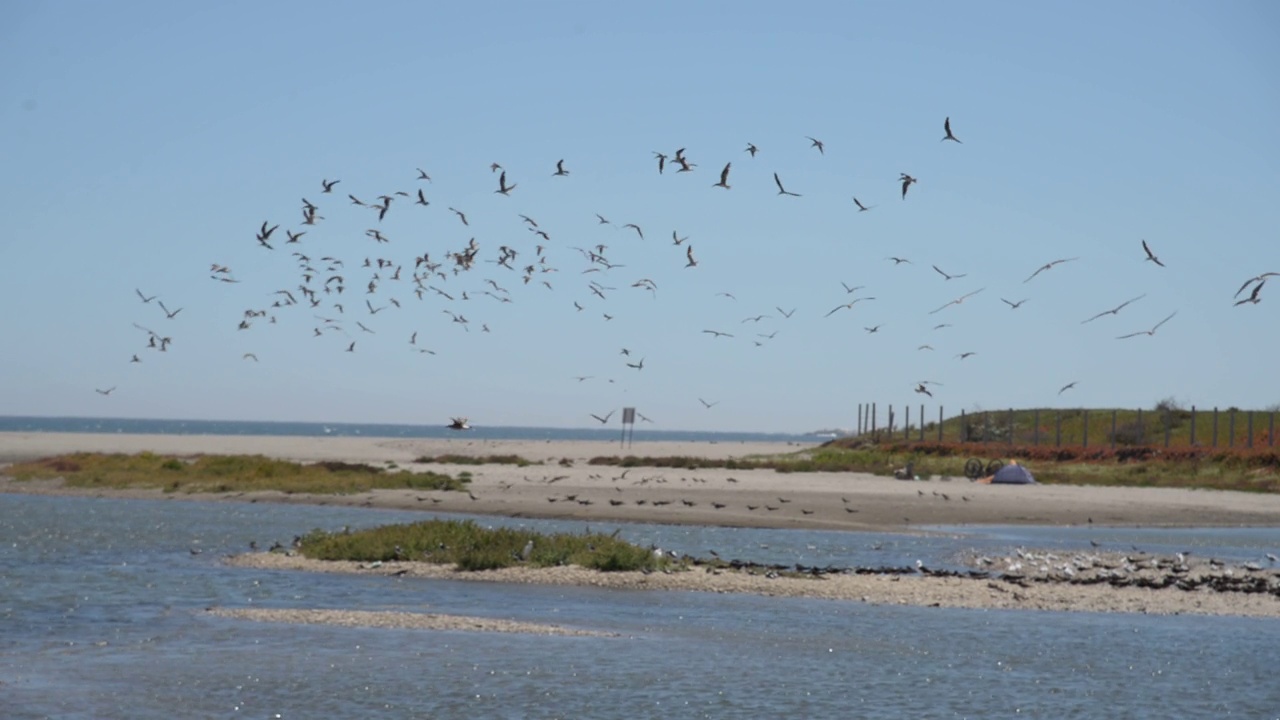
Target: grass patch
470,547
223,473
451,459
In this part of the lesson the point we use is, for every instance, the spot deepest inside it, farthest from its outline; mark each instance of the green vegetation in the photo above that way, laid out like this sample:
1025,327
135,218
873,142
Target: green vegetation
471,547
223,473
451,459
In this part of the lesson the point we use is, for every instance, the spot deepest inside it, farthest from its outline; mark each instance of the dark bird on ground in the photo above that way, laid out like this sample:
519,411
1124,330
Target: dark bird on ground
1067,387
1046,266
781,190
861,207
1150,255
1113,310
907,181
946,125
752,149
328,185
816,143
1152,331
146,299
949,277
724,177
603,420
560,168
1013,305
108,391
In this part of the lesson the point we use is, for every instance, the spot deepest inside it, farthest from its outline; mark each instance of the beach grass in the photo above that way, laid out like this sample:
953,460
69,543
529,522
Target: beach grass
223,473
454,459
1255,470
470,547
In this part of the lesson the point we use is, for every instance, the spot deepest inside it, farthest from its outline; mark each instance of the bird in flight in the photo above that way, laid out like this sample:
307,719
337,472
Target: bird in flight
559,169
1113,310
724,177
784,313
1013,305
146,299
688,253
873,329
861,207
422,175
328,185
1150,255
708,405
461,215
1152,331
662,161
637,366
923,390
851,290
946,125
1259,279
108,391
907,180
717,333
781,190
957,301
899,261
948,277
503,187
816,143
1046,266
635,227
167,313
603,420
1067,387
459,423
964,355
1253,297
250,356
752,149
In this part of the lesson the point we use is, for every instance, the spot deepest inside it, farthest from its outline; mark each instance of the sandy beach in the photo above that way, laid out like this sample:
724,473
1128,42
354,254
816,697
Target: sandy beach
561,484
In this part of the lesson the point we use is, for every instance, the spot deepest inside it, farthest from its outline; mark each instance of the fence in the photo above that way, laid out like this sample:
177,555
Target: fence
1169,427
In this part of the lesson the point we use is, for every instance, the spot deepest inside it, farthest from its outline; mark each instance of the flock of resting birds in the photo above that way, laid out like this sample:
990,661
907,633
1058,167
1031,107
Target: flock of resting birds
321,283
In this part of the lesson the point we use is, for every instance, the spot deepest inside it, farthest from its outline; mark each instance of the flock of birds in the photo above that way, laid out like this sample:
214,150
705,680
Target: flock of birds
322,285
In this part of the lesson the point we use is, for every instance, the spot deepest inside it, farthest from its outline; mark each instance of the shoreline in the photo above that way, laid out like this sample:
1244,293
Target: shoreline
564,486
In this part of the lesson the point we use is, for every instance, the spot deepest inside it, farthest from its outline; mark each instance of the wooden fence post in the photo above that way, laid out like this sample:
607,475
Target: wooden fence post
1036,433
1142,429
859,418
1113,428
1086,428
1057,417
873,421
1231,427
964,427
906,425
1193,426
1168,425
1011,426
939,423
1215,427
1249,417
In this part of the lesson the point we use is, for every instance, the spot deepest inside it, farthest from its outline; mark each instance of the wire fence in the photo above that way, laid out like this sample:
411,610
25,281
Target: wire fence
1164,426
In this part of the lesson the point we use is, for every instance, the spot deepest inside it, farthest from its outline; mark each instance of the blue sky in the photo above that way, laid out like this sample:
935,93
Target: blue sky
144,142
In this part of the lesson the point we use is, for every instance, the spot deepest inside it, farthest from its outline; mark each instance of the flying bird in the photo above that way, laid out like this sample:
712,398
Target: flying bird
167,313
907,180
461,216
957,301
1113,310
899,261
1067,387
503,187
422,175
1013,305
724,177
708,405
250,356
688,253
1253,297
1152,331
108,391
603,420
1150,255
816,143
781,190
861,207
946,125
1258,279
948,277
560,169
1047,266
459,423
923,390
752,149
146,299
635,227
328,185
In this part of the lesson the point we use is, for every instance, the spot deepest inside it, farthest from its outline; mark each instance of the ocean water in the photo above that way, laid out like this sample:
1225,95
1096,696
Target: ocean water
101,616
311,429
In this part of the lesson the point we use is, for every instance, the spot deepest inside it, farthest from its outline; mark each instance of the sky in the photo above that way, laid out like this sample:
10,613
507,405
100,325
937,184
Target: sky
143,143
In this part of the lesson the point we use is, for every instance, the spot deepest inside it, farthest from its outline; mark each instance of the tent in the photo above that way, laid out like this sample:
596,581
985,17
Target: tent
1013,474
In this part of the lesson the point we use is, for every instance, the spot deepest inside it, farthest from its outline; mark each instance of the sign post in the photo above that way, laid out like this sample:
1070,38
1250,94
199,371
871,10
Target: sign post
628,423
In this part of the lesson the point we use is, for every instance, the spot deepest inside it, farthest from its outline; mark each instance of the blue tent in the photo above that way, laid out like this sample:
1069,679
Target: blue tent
1013,474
